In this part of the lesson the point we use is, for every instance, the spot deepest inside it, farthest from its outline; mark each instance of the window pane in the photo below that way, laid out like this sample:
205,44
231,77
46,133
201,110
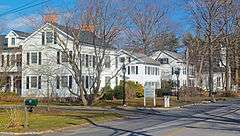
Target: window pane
13,59
64,57
107,62
43,38
34,57
64,81
13,41
49,37
33,82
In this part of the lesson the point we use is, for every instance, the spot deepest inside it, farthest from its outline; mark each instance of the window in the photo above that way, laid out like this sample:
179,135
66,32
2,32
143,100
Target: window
39,82
13,41
136,69
70,55
83,59
163,60
57,82
64,57
27,82
90,60
145,70
39,58
218,81
133,70
49,37
13,59
116,62
43,38
128,70
107,80
2,60
64,81
184,71
19,59
129,59
58,57
70,82
94,61
86,60
55,38
28,58
34,58
148,70
107,62
8,60
33,82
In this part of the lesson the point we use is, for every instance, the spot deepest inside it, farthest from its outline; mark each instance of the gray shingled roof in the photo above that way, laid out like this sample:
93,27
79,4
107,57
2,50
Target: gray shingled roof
22,34
145,58
3,41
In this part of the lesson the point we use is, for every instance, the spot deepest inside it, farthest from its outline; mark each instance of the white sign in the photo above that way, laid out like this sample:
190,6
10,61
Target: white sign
149,92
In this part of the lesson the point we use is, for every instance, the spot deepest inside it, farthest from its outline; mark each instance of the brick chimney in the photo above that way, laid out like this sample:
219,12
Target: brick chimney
50,18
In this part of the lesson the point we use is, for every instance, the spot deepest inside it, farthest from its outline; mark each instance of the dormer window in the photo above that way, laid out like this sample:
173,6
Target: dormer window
13,41
163,60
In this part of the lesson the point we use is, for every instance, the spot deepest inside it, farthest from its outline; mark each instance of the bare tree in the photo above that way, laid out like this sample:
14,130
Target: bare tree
94,31
146,26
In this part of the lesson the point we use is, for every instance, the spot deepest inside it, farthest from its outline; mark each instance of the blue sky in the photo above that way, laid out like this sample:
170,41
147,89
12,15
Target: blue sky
15,20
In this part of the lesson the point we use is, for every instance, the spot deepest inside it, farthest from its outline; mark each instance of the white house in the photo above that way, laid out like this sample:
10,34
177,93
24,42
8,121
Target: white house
170,62
140,68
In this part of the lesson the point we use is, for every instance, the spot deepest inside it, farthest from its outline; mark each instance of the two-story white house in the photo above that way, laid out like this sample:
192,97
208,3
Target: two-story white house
170,62
140,68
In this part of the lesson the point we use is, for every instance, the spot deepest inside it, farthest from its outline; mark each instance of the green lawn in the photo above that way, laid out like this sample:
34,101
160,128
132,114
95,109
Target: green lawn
41,120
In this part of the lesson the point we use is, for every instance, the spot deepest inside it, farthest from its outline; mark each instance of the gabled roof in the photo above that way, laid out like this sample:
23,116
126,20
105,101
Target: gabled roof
171,54
21,33
141,57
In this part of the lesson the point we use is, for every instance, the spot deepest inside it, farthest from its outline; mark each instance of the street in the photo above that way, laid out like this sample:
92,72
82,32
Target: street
213,119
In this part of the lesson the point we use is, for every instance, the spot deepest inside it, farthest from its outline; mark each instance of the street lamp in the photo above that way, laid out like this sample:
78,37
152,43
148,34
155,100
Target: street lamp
177,73
124,80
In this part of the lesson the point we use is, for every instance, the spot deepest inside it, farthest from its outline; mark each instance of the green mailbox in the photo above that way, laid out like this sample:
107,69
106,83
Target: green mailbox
31,102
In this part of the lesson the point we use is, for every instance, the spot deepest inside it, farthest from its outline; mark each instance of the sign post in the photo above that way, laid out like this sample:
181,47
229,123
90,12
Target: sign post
149,92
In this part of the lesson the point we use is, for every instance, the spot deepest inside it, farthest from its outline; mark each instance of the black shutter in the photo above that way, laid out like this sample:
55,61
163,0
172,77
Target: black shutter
58,82
70,55
128,70
43,38
94,61
136,69
86,60
70,82
27,82
58,57
28,58
2,60
39,58
172,71
39,82
86,82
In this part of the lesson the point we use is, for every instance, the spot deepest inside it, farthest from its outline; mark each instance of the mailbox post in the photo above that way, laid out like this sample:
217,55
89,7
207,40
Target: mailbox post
29,104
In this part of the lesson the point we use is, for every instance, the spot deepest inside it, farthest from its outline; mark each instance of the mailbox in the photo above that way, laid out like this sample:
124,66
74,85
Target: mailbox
31,102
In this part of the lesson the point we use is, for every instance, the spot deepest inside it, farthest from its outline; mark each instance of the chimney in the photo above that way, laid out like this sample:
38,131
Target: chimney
50,18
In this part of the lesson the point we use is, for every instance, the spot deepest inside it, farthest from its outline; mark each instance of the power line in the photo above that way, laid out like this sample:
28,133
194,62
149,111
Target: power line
23,7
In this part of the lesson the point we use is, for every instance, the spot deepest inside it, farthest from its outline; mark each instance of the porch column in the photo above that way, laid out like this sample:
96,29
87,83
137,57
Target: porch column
11,83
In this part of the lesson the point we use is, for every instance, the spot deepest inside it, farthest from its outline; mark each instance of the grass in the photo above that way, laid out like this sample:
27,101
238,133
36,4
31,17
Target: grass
41,120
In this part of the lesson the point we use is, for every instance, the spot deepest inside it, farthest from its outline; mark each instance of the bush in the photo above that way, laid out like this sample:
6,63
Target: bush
133,90
191,92
10,97
166,88
108,93
118,92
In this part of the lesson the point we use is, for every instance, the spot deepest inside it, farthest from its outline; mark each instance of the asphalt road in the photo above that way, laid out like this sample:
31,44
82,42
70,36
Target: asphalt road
213,119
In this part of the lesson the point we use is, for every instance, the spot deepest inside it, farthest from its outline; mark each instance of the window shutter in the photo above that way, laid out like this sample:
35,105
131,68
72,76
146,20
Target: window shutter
27,82
39,58
2,60
8,60
128,70
57,82
28,58
70,82
136,69
58,57
86,82
43,38
172,71
86,60
39,82
94,61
